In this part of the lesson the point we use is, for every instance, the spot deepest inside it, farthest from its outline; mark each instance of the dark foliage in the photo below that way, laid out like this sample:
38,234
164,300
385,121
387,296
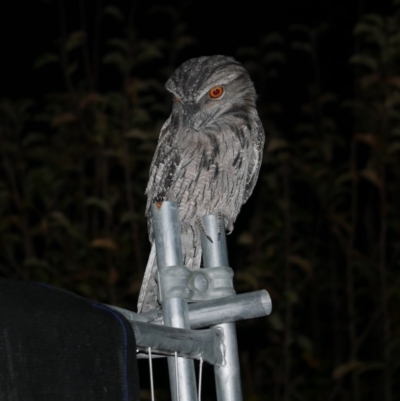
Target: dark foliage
320,233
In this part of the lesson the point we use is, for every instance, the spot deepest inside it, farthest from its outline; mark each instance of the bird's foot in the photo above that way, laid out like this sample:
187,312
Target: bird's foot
159,199
221,223
203,229
221,217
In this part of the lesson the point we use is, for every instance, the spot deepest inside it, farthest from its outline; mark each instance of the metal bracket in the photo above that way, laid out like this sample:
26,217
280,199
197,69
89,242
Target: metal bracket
174,280
211,283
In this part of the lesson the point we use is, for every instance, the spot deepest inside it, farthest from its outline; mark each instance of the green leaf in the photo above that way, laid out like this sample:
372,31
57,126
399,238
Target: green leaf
276,144
128,217
137,134
45,59
63,118
273,38
247,52
36,263
140,116
149,84
363,60
147,51
89,99
346,368
393,147
369,80
395,132
251,66
274,57
305,128
58,219
306,47
327,97
38,182
180,28
394,39
393,81
75,39
370,139
104,243
117,59
115,12
71,68
291,297
372,34
184,41
101,204
374,19
245,238
119,44
304,343
351,366
33,138
299,28
303,263
276,322
372,176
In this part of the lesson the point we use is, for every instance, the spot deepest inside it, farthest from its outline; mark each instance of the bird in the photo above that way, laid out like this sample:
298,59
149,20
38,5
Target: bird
208,156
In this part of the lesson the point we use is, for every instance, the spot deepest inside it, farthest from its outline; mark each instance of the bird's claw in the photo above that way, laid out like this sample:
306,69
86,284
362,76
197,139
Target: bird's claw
221,217
159,199
203,229
221,223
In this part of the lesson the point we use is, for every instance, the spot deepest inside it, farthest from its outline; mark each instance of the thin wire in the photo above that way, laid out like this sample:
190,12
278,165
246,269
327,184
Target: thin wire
151,374
176,376
200,377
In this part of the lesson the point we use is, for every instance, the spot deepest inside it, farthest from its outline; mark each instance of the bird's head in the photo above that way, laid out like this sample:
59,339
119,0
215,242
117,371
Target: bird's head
208,89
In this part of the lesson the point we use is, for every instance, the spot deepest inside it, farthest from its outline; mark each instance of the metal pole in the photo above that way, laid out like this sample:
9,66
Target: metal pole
194,344
227,377
175,312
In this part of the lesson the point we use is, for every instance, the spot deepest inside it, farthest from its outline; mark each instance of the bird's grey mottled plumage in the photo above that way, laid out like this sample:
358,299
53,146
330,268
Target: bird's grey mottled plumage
208,155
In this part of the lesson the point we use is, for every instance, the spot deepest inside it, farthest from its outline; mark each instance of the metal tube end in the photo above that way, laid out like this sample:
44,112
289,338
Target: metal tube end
266,302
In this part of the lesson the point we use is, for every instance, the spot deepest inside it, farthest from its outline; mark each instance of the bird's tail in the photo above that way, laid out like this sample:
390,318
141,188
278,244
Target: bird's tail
148,292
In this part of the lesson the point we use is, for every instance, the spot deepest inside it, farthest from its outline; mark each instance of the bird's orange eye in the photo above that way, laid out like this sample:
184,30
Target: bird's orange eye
216,92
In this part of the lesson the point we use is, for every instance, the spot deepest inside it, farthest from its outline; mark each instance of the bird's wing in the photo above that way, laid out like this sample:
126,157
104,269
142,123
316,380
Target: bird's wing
148,291
255,154
163,169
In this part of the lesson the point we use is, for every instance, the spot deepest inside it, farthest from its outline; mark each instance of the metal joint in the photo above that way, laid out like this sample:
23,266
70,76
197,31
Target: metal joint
211,283
175,282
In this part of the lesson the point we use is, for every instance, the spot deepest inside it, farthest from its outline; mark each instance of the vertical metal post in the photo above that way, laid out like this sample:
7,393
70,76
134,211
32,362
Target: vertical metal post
175,312
227,377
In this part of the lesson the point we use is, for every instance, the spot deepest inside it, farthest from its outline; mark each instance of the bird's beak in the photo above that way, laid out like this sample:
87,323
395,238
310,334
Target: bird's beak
189,112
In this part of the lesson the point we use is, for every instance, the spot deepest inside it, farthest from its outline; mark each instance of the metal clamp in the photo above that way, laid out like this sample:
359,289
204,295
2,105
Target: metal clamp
197,285
211,283
175,282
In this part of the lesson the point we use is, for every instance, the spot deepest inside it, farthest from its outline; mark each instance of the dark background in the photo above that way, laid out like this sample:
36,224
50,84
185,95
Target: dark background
81,104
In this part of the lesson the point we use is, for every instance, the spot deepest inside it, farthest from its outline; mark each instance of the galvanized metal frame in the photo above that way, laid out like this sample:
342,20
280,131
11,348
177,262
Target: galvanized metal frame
227,376
169,331
175,310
